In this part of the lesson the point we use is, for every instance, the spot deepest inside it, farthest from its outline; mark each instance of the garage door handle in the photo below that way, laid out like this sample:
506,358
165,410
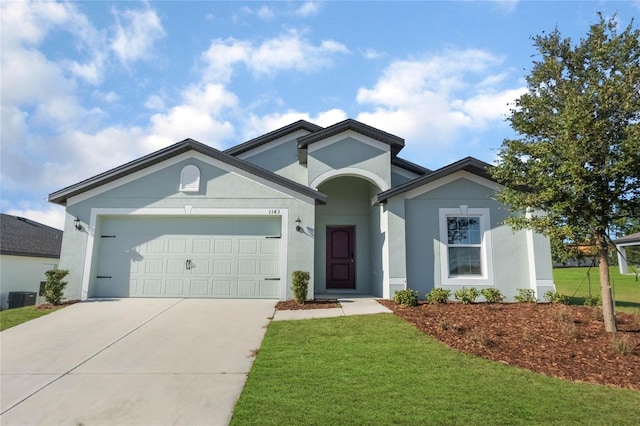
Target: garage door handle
272,279
103,276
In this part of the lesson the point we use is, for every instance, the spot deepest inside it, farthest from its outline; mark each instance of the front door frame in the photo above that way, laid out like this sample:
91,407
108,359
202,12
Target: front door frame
348,260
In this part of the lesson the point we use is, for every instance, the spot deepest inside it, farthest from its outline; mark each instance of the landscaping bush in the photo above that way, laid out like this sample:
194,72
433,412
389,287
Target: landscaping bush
492,295
300,286
54,287
466,295
525,295
438,295
592,300
554,297
406,297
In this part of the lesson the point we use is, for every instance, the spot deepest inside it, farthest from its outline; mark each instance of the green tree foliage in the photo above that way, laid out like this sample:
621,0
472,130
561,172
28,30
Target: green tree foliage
577,154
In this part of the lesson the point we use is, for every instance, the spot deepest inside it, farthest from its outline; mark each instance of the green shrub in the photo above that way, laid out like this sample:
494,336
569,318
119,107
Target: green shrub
492,295
466,295
438,295
406,297
54,287
554,297
300,286
525,295
592,300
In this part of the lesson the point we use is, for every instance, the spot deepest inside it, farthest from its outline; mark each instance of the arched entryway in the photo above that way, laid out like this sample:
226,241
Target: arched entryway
348,239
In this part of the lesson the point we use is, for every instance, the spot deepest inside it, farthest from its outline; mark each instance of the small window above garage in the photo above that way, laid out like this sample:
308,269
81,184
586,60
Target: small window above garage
190,179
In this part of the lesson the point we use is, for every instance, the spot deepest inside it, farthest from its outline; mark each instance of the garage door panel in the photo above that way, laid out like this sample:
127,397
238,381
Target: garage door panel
199,288
201,246
221,288
174,287
247,247
177,245
222,267
269,289
269,267
223,246
152,287
176,266
166,257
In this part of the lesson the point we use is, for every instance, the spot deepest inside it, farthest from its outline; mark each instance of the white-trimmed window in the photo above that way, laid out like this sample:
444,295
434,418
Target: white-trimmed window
465,246
190,179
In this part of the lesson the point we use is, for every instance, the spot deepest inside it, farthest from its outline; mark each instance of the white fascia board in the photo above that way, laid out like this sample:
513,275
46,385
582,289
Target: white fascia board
274,143
175,160
462,174
315,146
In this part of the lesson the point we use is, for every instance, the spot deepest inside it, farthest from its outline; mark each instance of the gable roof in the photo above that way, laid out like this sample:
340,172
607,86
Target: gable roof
469,164
61,196
396,143
24,237
271,136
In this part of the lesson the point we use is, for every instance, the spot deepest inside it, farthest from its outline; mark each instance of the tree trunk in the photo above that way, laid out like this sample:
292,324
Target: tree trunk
608,311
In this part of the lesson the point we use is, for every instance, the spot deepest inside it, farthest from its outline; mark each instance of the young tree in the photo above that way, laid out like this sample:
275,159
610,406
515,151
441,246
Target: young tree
575,164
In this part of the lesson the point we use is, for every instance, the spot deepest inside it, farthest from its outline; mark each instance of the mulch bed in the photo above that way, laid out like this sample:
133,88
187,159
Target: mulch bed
292,305
47,306
567,342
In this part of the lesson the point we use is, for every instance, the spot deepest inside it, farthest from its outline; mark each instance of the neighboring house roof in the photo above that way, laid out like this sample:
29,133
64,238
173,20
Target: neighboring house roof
631,238
469,164
24,237
61,196
271,136
396,143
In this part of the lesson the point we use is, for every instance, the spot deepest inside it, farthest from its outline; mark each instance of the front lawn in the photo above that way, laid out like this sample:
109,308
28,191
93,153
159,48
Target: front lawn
379,370
13,317
574,282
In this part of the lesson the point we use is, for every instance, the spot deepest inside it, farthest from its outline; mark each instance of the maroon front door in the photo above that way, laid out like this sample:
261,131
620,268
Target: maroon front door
341,263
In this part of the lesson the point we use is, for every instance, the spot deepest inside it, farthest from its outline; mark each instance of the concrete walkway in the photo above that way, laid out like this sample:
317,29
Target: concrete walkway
349,306
131,361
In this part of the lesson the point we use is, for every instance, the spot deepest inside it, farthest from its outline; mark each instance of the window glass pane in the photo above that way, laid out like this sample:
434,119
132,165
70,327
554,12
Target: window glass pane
464,261
463,230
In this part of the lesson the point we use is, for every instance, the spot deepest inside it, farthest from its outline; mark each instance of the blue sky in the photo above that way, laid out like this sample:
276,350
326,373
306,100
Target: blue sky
87,86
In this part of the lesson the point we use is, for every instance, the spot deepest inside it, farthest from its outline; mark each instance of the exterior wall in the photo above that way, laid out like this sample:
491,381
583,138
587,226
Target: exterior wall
349,204
281,157
222,192
22,273
395,248
509,251
371,159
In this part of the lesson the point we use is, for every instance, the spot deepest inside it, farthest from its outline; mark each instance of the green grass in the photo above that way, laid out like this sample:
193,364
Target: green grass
379,370
573,282
12,317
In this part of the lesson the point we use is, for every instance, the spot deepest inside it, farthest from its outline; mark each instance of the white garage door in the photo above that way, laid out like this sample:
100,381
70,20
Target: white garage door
221,257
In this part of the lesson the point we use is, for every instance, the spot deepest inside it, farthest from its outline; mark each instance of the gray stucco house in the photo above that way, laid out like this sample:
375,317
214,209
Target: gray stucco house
193,221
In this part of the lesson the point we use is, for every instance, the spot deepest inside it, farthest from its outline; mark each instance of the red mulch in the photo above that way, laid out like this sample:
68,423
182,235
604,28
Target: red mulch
563,341
292,305
46,306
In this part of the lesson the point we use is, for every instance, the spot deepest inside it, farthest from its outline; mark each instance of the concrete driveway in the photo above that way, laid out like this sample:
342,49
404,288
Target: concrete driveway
131,361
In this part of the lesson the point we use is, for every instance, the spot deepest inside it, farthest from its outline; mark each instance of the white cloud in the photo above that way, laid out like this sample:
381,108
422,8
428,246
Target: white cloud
200,116
309,8
136,32
507,6
290,51
265,12
46,213
372,54
259,125
431,100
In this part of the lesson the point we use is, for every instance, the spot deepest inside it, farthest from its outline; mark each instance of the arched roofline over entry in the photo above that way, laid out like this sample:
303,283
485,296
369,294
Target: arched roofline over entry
353,172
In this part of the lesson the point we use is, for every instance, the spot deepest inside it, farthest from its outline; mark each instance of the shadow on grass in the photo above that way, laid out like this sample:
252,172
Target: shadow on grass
580,301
